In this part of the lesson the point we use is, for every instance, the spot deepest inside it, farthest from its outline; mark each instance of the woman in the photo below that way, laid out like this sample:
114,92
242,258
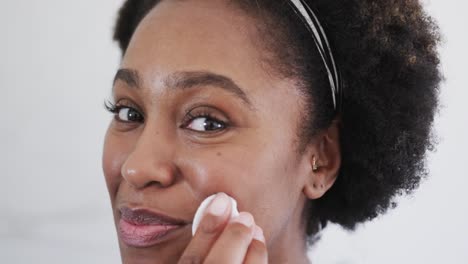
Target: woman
305,112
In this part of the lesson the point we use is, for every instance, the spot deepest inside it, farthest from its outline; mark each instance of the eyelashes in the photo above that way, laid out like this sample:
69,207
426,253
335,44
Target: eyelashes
110,106
124,113
201,119
204,122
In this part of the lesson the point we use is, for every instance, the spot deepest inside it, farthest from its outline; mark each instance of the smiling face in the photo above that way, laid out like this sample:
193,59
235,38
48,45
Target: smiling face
197,114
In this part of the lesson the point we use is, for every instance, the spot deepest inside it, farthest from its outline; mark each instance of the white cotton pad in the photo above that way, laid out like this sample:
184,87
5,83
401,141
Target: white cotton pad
201,210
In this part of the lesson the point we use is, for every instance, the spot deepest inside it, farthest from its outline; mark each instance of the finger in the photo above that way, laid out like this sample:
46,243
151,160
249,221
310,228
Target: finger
211,226
231,247
257,252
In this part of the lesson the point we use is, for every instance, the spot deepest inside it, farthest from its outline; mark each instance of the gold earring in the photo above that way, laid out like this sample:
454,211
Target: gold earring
314,164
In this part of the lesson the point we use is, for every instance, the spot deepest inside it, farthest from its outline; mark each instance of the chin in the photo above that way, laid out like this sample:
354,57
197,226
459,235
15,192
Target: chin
164,252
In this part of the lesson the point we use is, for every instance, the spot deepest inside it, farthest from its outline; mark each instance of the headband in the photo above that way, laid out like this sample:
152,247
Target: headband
310,20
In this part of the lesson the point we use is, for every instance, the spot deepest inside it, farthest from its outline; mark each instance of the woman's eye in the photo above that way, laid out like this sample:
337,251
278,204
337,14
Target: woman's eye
128,114
206,124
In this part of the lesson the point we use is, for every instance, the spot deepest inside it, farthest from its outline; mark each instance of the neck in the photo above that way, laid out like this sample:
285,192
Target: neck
290,245
286,251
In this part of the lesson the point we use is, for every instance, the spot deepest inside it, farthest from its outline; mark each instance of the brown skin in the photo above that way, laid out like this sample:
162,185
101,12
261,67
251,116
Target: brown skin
164,165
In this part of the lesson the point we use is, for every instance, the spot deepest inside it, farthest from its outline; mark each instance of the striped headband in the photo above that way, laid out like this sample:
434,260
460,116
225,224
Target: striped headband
323,46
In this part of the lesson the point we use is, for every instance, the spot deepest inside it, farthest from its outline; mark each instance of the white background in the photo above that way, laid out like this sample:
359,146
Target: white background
56,65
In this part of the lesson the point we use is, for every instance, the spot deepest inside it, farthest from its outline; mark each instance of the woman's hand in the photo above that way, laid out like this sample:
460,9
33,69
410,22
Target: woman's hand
220,240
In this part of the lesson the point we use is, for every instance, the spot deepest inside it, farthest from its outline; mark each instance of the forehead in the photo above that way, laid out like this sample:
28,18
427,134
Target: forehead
193,36
211,36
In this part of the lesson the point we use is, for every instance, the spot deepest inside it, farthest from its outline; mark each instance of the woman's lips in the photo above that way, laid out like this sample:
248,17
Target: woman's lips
144,228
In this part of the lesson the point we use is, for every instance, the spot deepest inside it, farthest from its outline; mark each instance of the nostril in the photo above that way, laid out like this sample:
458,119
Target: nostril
157,174
154,184
166,175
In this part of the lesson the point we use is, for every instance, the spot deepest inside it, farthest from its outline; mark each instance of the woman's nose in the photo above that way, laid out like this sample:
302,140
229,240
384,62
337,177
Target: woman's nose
151,161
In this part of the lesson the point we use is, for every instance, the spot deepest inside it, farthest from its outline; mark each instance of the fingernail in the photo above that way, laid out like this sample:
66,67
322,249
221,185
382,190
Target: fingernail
245,219
258,234
219,205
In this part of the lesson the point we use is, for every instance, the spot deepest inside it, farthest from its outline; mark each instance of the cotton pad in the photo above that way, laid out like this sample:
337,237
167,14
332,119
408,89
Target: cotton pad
201,210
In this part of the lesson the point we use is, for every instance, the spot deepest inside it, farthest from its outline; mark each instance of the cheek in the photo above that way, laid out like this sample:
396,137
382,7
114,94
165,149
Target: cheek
114,155
270,193
260,179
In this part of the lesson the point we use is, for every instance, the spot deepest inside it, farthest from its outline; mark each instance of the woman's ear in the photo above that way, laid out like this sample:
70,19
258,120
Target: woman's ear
325,161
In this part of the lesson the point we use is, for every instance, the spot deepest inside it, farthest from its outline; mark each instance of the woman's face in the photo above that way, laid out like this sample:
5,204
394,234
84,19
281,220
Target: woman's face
199,114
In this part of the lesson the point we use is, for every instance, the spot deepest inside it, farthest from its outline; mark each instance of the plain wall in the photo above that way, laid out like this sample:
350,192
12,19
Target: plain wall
56,70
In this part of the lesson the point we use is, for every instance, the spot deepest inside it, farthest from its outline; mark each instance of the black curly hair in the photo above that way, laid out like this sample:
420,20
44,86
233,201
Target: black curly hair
387,53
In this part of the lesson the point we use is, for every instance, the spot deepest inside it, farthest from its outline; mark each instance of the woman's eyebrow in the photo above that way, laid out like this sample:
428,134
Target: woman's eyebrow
191,79
129,76
187,79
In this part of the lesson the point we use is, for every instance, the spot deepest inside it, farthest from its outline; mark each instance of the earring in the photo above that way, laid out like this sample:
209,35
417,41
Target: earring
314,164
